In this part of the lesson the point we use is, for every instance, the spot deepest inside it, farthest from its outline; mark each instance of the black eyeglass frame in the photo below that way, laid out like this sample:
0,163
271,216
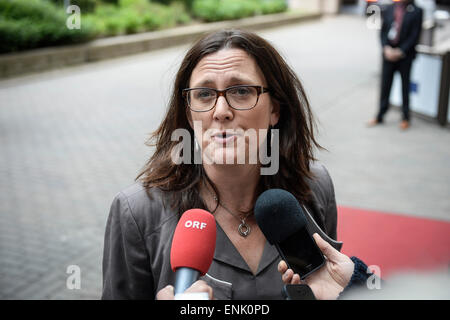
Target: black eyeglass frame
259,90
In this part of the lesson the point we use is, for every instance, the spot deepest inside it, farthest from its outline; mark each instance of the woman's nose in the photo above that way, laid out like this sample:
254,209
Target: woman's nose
222,111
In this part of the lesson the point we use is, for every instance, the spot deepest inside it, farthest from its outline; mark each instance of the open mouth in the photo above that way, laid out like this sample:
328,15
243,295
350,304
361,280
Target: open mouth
224,137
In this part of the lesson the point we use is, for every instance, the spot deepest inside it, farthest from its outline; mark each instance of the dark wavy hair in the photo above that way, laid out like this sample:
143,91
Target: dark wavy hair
296,126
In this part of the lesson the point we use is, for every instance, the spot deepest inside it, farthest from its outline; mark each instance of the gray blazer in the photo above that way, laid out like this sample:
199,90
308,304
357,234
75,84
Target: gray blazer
138,238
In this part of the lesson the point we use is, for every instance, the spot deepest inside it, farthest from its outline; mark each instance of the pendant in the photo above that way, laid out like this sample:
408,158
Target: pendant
244,229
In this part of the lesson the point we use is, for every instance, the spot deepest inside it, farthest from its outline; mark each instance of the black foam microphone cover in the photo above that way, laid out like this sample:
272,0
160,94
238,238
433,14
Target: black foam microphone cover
278,214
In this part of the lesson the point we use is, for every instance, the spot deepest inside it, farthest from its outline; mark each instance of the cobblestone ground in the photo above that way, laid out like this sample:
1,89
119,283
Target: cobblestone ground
71,139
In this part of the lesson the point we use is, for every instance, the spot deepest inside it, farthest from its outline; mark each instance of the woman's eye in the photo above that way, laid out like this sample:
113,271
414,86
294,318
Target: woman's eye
240,91
203,94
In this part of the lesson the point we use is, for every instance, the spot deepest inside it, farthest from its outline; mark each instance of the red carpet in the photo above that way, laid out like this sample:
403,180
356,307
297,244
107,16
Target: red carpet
395,243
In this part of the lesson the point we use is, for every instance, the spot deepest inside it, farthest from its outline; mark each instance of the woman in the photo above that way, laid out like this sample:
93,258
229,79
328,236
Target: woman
229,83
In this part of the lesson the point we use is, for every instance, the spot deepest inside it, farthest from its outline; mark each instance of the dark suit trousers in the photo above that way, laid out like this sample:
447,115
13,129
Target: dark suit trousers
389,68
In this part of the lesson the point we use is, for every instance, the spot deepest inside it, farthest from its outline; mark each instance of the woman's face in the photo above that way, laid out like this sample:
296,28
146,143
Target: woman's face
228,135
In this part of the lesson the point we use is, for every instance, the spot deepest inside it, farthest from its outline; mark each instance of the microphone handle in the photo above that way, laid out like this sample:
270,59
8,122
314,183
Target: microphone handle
184,278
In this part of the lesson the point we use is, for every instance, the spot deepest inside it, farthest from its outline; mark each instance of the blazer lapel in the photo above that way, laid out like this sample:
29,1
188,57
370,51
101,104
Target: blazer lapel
410,11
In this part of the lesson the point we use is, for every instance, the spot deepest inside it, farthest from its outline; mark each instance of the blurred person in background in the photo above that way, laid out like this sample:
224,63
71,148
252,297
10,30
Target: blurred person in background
400,32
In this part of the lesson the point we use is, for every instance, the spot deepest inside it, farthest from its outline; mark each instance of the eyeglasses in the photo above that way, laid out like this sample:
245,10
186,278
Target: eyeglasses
243,97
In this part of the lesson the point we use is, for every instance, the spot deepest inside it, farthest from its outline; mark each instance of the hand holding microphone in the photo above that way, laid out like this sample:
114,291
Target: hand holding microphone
199,286
191,255
306,260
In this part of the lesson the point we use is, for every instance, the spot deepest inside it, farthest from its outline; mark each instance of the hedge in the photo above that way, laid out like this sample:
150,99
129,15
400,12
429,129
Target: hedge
28,24
216,10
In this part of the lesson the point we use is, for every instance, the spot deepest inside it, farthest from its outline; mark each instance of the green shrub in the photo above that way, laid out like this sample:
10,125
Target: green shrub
30,9
206,9
186,3
273,6
111,1
180,12
237,9
16,35
164,2
215,10
28,24
107,20
97,26
132,16
120,20
85,5
133,3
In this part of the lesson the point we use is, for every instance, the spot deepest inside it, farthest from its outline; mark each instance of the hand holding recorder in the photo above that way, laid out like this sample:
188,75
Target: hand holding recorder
330,280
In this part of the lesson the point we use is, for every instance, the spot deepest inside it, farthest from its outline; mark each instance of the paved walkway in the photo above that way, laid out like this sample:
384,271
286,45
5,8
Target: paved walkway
71,139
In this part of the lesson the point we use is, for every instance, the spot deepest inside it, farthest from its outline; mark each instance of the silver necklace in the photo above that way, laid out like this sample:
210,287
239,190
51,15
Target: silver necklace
243,229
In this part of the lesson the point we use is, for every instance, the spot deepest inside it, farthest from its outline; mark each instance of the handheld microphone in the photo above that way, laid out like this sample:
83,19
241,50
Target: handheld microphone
283,223
278,215
193,245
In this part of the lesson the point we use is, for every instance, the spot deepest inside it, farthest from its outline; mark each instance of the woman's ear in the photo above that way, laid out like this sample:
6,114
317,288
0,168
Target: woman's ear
275,115
189,117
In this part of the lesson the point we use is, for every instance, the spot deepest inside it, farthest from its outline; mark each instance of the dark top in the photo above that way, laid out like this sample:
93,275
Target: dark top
411,26
138,238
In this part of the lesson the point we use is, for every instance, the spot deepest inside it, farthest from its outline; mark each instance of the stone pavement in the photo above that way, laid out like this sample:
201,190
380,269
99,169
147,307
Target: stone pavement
71,139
